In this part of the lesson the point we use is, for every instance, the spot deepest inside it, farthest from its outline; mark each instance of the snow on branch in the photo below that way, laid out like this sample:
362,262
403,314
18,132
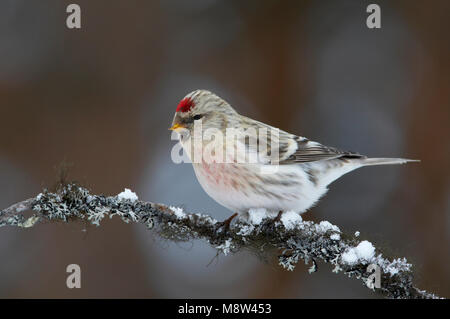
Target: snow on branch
292,237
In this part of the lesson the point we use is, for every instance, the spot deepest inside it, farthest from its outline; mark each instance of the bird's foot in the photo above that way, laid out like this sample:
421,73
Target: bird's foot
271,223
226,223
277,219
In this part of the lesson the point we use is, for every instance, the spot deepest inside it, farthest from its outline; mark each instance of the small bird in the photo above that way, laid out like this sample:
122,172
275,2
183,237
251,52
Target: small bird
277,171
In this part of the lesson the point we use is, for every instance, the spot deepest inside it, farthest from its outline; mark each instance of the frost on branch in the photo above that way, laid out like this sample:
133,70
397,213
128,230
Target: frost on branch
294,238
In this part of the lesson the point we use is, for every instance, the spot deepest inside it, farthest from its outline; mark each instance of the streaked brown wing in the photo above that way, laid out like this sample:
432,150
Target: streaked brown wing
310,151
291,149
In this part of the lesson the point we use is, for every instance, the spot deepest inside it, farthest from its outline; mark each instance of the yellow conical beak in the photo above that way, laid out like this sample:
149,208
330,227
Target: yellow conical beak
175,127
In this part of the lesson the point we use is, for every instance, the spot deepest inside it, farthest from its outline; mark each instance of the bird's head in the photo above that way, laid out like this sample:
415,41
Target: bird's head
205,108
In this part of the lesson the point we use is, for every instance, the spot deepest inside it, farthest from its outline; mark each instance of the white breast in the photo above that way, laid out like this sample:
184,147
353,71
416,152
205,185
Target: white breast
240,187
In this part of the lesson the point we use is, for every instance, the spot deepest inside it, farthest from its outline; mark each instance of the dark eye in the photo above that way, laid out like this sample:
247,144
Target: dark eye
198,117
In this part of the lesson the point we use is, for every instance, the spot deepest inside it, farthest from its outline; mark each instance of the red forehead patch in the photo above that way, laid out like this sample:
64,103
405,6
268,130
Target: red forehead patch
185,105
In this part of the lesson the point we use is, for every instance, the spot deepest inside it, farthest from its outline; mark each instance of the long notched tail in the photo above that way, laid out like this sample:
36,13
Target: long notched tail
385,161
334,171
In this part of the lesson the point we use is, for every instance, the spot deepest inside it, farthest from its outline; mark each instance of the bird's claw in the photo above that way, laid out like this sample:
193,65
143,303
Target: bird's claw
226,223
271,224
277,219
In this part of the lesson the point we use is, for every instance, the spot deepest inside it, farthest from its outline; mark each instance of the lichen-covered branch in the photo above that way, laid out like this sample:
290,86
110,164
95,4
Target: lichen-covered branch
293,238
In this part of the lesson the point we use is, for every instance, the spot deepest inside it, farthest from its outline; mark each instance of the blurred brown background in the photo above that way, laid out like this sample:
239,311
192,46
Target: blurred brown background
103,96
